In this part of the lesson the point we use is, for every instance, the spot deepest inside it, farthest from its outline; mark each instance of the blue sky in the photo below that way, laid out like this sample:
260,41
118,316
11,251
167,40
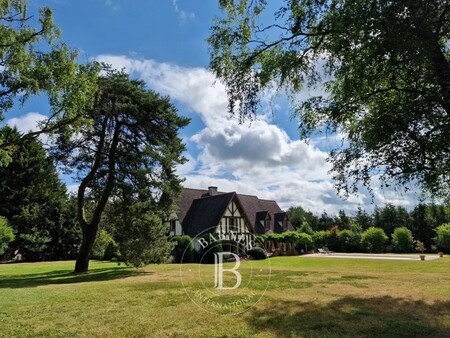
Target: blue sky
164,43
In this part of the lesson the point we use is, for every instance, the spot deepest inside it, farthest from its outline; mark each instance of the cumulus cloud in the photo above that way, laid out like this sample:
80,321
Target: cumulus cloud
28,122
257,158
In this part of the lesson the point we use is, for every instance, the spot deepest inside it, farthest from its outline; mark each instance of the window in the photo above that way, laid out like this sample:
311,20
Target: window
233,224
173,225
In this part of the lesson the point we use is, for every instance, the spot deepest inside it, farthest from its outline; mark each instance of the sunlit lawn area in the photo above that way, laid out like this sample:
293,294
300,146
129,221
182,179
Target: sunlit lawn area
313,297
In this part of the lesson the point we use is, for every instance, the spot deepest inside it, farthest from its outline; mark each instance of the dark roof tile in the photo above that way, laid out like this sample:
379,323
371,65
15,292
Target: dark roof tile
205,213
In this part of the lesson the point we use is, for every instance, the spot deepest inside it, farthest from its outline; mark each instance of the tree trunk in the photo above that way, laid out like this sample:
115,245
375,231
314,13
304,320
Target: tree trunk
89,235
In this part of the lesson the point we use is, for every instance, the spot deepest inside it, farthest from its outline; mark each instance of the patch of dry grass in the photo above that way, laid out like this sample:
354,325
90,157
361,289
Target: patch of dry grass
306,297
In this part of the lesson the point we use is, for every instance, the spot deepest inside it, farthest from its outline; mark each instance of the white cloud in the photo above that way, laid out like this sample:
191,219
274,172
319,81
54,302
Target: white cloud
256,158
28,122
183,16
72,188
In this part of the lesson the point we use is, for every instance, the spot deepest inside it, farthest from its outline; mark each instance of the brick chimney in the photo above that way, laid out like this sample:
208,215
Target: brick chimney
212,191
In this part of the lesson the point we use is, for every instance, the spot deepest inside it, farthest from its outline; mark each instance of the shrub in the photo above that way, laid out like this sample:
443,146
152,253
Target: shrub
332,241
112,252
303,241
420,247
374,240
402,240
349,241
207,255
320,239
145,239
183,246
443,237
35,244
261,239
288,237
257,253
6,235
277,238
102,241
305,228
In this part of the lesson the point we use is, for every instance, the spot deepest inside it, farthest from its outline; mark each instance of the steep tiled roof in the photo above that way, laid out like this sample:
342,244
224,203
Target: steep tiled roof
205,213
187,196
252,205
198,210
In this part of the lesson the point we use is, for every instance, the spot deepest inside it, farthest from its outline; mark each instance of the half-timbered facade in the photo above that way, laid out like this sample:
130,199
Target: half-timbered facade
228,215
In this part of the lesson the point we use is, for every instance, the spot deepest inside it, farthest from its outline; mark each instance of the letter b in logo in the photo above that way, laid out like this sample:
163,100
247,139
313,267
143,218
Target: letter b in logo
219,270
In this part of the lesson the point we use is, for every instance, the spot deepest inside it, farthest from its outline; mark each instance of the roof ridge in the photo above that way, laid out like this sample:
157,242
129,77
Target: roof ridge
219,194
248,195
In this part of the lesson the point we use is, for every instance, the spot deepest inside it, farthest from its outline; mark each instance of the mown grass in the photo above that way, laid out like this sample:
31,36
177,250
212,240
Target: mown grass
311,297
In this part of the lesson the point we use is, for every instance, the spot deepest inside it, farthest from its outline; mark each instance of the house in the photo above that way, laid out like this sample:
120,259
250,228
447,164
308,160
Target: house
228,214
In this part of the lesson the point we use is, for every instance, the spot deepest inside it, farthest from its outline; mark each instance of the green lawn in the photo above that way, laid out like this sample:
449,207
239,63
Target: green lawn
312,297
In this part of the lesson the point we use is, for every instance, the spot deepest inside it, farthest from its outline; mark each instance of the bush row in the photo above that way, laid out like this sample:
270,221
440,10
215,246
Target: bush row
372,240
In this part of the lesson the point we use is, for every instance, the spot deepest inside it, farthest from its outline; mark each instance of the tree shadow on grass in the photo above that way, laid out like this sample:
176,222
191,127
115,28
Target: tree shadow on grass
352,317
67,277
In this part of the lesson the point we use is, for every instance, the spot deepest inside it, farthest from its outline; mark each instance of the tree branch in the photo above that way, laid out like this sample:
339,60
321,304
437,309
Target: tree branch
111,175
88,178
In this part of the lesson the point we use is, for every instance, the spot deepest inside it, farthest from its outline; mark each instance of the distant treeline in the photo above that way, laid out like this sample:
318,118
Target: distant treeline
422,220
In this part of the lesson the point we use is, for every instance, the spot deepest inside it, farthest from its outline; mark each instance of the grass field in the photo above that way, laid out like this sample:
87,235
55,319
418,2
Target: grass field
312,297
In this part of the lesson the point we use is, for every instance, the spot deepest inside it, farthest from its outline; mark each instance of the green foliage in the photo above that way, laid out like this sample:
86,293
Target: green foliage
355,226
305,228
6,235
277,238
374,240
129,150
35,202
299,239
386,71
320,239
183,251
349,241
363,219
102,241
344,220
257,253
327,222
402,240
389,217
443,237
425,219
304,239
112,252
35,244
288,237
34,61
262,238
142,236
332,238
298,216
207,254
